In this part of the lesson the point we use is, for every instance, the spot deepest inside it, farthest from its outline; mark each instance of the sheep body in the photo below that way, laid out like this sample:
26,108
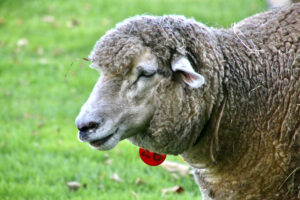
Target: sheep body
241,130
261,81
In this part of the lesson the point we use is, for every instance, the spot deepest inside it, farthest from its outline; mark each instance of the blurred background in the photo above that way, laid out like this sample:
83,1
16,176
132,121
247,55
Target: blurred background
43,83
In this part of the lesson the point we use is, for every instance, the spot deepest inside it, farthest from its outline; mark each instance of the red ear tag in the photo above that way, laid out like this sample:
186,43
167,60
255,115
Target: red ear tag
151,158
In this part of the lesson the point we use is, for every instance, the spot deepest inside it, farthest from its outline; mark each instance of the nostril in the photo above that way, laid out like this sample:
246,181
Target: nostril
89,126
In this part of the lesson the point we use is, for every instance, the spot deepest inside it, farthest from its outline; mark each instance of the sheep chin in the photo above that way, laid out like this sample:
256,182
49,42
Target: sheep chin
110,143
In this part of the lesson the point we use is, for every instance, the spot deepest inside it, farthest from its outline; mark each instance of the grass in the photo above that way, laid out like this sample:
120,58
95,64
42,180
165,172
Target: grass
44,81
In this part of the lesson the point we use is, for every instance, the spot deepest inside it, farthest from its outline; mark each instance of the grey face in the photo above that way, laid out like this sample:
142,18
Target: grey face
119,107
122,107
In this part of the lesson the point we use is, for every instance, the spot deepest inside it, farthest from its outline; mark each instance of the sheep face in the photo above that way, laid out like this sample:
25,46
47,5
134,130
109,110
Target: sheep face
139,105
119,106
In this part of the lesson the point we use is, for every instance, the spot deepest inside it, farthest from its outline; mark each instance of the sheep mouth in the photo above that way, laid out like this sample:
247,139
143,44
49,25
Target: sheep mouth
97,143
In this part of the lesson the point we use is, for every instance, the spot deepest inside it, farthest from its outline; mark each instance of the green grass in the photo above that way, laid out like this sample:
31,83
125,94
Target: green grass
44,83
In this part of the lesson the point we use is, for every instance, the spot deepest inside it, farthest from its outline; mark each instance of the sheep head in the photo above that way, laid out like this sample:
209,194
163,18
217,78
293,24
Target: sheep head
141,95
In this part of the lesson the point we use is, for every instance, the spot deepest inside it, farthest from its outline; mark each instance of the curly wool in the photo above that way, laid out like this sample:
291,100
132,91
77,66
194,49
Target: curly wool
164,35
252,69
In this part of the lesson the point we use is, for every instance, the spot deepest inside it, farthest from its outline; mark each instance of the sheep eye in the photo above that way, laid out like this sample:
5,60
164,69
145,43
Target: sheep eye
146,74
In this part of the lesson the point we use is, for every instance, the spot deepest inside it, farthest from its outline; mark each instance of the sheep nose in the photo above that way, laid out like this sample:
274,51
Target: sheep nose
86,129
88,126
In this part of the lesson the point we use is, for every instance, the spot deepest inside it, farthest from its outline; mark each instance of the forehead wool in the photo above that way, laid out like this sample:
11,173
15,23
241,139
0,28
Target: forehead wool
164,35
114,52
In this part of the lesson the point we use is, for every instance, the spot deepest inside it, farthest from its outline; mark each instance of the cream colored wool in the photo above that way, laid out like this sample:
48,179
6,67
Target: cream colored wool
241,130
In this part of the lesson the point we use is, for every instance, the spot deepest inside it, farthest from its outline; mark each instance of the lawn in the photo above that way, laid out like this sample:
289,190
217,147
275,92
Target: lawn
44,81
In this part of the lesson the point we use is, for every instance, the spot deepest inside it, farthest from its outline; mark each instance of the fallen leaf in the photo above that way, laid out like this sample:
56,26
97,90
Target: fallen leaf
176,189
73,90
27,115
116,178
105,21
8,93
101,176
48,19
2,21
22,42
82,65
2,43
35,132
20,21
51,8
136,196
43,61
183,170
106,155
73,185
87,6
72,23
41,124
109,161
117,150
40,51
138,181
23,82
100,186
57,52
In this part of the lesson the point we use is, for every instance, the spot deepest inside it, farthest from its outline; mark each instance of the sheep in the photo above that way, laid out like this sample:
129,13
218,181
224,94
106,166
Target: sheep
226,100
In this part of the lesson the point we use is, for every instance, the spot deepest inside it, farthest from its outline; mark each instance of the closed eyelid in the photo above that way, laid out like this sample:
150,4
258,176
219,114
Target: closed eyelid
147,66
146,73
142,70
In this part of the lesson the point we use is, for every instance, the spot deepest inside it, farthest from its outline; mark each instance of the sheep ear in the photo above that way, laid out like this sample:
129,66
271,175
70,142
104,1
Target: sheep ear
187,73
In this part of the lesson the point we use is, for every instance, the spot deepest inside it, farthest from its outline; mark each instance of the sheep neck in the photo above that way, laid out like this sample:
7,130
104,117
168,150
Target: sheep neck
253,143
